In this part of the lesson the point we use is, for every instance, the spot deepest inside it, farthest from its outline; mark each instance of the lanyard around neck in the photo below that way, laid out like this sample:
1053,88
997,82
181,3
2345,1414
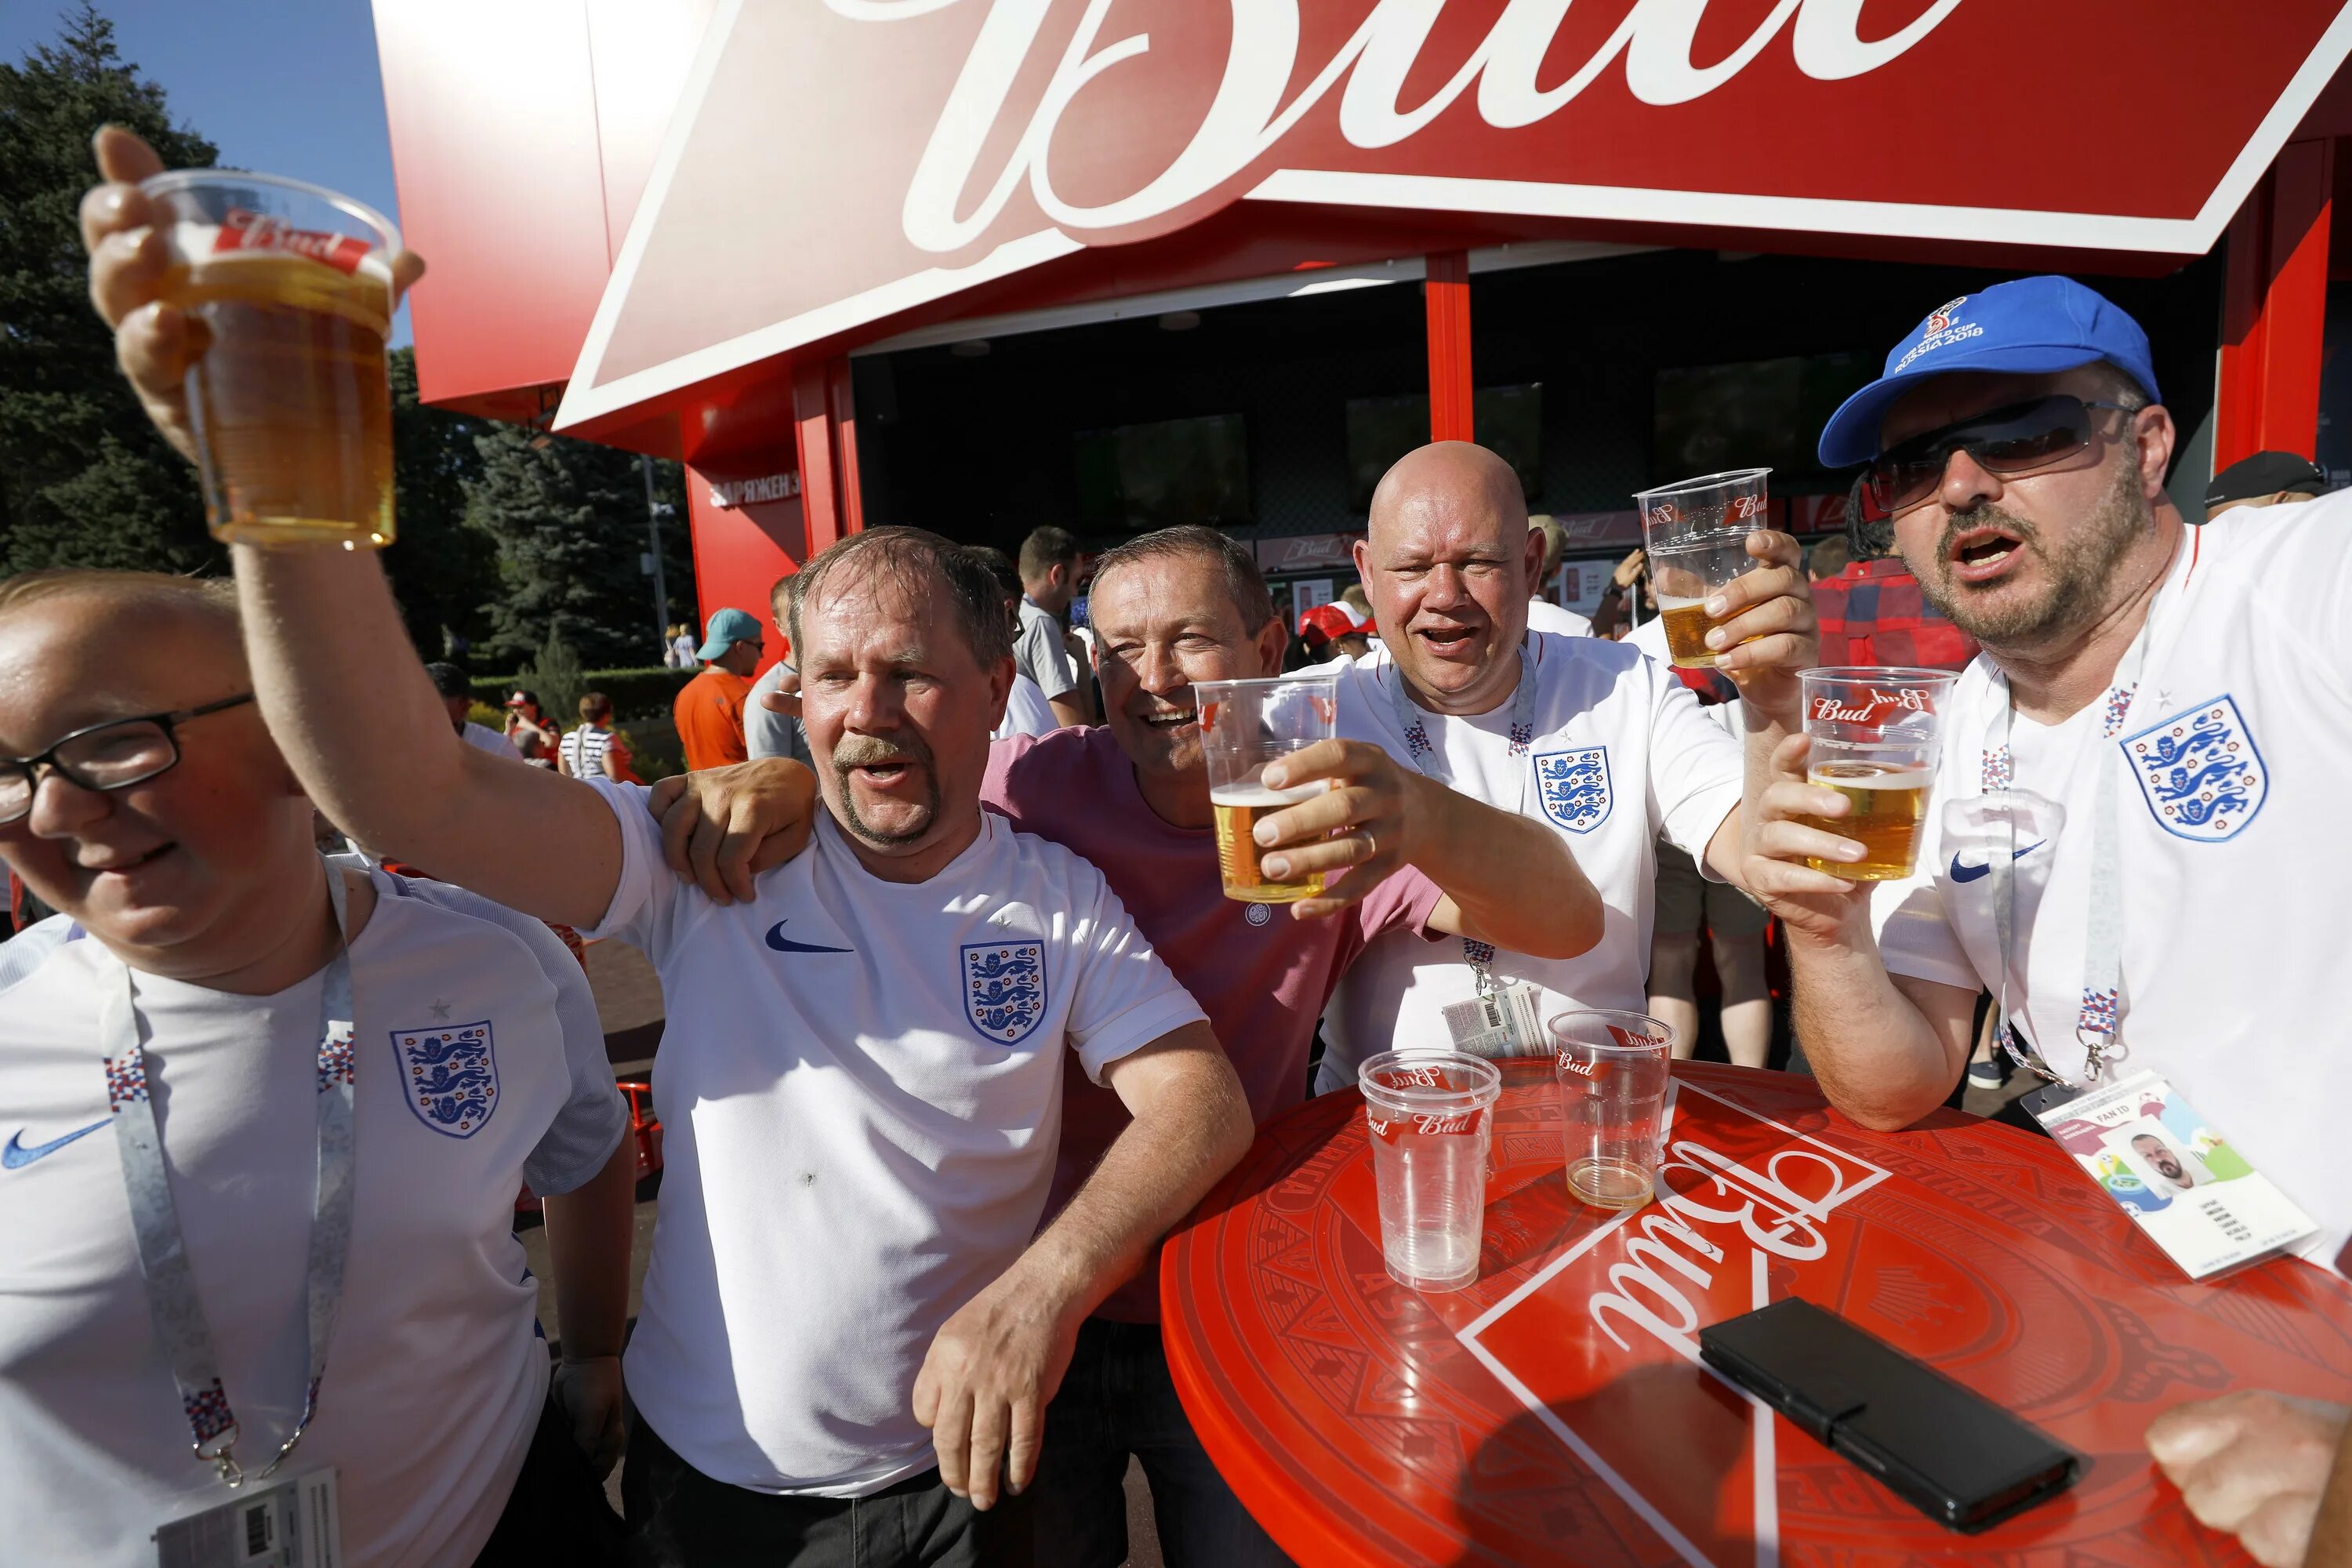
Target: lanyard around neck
172,1299
2099,1016
1413,721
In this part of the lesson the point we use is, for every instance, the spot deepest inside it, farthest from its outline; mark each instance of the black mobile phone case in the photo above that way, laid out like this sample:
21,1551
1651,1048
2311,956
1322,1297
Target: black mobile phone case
1956,1456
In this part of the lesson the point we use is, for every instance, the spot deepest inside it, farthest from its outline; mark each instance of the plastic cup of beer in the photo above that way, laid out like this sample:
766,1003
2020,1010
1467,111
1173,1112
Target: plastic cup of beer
1695,540
288,291
1613,1067
1245,726
1430,1115
1873,734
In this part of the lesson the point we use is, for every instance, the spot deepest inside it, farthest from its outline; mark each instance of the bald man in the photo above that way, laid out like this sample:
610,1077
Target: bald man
1592,738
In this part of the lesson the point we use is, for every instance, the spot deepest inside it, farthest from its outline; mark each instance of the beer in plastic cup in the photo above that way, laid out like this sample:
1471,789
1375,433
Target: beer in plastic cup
1613,1069
288,291
1694,541
1874,733
1430,1115
1244,725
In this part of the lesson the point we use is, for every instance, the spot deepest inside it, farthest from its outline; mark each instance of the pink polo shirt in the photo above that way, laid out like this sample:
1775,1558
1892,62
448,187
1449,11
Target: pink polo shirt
1261,974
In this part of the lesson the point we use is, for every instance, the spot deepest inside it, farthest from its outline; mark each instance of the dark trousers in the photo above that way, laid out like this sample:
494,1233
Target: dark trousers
680,1518
1116,1401
557,1512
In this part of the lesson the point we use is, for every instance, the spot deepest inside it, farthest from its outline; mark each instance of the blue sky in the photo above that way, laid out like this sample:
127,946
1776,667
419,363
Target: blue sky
289,87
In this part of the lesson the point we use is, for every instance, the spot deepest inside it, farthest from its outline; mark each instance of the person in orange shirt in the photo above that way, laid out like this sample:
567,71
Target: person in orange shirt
709,707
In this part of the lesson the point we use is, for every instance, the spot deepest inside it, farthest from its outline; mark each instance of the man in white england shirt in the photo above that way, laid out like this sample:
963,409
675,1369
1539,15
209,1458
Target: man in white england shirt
198,947
2203,678
1602,745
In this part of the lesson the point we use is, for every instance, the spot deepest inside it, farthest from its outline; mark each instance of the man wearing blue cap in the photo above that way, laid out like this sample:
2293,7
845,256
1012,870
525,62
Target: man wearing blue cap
2135,841
709,707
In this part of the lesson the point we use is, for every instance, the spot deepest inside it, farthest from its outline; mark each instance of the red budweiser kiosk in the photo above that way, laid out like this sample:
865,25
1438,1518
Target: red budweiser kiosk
982,264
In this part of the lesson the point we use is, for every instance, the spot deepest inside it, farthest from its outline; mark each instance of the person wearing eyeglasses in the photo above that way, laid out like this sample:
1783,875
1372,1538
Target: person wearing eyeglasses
242,1087
2136,836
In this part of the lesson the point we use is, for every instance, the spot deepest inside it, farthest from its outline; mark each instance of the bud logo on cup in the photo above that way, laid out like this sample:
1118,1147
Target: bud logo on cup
1441,1123
1632,1038
1744,509
243,230
1596,1071
1875,711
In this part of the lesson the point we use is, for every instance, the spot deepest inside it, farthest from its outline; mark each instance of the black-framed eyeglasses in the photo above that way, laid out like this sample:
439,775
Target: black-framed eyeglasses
2020,440
109,756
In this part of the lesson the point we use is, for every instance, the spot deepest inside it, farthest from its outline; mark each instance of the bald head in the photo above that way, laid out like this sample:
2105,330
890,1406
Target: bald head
1447,560
1451,479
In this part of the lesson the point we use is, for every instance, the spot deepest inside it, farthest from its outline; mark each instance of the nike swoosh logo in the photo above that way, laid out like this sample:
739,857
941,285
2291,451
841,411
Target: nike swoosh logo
15,1156
783,944
1970,873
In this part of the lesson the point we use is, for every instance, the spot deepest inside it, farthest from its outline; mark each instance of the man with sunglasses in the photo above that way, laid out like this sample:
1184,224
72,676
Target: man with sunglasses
264,1117
2136,837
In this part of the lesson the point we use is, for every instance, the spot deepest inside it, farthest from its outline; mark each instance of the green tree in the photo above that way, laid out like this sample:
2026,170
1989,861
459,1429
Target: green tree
443,569
555,677
84,479
569,521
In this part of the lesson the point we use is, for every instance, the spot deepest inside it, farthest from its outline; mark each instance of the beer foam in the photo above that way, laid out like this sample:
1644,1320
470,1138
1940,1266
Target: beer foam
1878,778
1669,602
1259,797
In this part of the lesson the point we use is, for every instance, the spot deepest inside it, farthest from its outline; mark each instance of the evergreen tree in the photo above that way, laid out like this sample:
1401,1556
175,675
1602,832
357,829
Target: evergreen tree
84,479
555,677
443,569
569,521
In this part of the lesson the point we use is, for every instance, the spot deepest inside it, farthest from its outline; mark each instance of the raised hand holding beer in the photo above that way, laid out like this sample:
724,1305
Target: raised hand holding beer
1731,589
264,456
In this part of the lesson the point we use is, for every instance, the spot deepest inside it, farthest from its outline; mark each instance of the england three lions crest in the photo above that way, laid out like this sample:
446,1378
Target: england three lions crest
2199,770
1573,787
449,1074
1004,988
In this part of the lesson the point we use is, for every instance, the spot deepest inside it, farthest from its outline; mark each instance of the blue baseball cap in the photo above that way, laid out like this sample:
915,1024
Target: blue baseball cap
727,628
2033,326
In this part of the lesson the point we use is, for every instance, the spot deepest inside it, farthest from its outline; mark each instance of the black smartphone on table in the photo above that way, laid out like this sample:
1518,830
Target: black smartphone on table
1953,1454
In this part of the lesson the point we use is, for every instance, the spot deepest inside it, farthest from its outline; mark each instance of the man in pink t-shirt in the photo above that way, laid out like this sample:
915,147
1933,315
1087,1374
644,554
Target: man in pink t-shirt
1133,796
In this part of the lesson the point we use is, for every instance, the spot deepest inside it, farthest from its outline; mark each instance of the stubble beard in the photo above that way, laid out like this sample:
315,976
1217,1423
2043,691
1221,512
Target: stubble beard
2079,574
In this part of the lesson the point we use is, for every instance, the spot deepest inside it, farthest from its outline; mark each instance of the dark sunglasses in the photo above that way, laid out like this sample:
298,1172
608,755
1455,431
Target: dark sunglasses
113,755
2019,439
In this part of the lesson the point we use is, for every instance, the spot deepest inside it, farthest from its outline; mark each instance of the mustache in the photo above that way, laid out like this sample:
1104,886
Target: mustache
872,750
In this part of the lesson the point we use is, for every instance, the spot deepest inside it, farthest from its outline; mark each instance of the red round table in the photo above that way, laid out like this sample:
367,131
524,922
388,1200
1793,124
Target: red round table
1555,1411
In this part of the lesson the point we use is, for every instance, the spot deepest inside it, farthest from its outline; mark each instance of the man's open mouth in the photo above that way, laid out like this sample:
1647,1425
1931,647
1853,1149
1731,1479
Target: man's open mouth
1981,555
884,773
1447,639
1175,719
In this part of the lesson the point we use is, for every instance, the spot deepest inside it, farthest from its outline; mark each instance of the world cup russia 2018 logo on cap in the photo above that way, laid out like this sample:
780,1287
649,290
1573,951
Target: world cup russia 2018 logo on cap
1941,330
1940,320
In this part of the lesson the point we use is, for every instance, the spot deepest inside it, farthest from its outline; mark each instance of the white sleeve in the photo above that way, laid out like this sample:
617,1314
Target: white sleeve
1696,770
1042,657
647,893
1125,998
593,1118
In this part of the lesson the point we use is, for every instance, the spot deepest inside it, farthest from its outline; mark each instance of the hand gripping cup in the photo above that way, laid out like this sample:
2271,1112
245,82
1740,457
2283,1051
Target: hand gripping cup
1431,1114
1244,725
1695,538
1873,734
1613,1069
288,291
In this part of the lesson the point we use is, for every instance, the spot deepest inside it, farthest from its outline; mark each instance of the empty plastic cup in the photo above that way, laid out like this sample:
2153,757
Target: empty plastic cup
1430,1115
1613,1069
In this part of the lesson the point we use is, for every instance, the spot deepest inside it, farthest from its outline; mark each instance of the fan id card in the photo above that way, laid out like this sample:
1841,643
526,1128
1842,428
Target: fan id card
291,1523
2175,1175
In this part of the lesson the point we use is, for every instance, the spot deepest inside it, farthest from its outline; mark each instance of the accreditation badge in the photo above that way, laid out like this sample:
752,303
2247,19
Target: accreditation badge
290,1523
2180,1181
1504,1021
